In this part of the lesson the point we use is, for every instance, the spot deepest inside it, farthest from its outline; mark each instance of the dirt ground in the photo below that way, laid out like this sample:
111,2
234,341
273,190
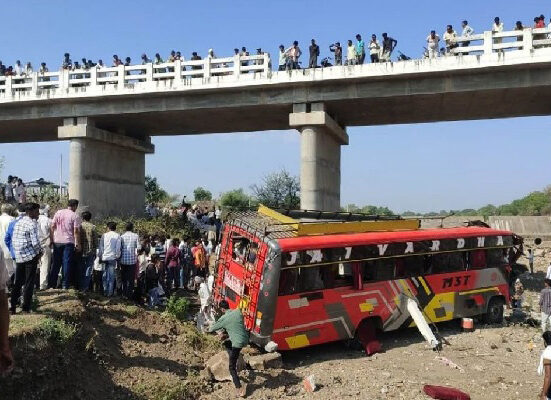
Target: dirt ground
120,351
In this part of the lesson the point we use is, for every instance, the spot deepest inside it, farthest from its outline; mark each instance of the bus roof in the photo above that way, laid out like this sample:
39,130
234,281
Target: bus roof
370,238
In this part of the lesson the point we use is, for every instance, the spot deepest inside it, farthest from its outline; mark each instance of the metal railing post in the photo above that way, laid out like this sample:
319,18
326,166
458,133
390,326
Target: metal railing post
120,77
206,68
236,65
488,43
266,64
527,40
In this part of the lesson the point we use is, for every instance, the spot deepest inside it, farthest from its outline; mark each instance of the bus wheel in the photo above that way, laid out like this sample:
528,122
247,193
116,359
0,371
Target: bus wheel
494,313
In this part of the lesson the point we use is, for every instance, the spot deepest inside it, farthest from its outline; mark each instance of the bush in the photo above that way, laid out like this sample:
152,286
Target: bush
56,330
177,307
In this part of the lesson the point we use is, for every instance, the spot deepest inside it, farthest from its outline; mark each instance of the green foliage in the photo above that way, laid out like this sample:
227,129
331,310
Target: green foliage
202,194
154,194
56,330
235,200
160,226
279,189
50,196
177,307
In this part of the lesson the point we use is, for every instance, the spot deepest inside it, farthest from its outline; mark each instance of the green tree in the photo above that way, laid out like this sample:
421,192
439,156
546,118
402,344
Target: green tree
153,191
279,189
487,210
235,199
202,194
409,214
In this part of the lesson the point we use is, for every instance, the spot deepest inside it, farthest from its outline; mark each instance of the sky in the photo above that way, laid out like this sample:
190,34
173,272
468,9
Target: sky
421,167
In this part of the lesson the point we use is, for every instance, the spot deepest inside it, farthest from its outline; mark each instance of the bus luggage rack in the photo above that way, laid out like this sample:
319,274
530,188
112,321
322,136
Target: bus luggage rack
277,224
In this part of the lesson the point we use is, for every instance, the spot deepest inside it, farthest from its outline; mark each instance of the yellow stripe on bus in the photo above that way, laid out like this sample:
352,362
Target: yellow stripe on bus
492,289
420,279
294,342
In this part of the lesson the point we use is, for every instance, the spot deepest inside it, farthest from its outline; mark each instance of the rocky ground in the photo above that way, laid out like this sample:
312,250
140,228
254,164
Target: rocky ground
82,347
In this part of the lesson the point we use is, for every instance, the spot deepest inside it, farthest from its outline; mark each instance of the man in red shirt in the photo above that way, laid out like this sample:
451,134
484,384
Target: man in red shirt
172,263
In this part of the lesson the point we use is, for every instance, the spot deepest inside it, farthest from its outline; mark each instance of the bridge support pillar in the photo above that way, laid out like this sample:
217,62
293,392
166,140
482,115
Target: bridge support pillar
320,156
106,170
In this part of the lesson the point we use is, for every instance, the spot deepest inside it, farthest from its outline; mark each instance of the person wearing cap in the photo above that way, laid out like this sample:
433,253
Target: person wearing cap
259,61
232,322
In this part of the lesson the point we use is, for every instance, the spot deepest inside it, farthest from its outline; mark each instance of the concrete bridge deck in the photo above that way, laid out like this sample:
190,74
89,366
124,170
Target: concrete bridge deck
499,75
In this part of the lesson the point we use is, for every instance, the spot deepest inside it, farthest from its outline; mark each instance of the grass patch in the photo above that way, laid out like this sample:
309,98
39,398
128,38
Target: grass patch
190,389
177,307
132,311
57,331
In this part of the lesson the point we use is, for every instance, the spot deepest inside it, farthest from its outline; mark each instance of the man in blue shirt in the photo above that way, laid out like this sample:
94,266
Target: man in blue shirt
360,50
11,227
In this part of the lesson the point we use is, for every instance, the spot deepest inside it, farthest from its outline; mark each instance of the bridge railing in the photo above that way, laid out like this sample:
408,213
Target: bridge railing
183,72
490,42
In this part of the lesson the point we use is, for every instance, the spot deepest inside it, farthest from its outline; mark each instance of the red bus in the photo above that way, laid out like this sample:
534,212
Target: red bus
313,278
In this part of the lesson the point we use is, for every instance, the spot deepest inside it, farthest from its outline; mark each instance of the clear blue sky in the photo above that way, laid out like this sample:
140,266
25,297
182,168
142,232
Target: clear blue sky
420,167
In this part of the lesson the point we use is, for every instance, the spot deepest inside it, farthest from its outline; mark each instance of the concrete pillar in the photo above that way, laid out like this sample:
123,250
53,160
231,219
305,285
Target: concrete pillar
106,170
320,157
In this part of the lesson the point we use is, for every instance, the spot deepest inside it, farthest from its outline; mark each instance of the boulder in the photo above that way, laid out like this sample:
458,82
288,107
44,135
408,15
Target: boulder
217,367
265,361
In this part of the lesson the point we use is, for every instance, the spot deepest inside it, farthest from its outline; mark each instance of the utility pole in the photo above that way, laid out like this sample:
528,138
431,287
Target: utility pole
60,174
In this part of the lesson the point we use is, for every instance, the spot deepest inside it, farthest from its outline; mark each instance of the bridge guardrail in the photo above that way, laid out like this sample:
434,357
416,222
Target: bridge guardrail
188,72
181,71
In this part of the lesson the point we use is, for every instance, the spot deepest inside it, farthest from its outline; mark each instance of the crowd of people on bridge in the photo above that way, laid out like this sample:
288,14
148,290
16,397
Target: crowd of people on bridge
289,57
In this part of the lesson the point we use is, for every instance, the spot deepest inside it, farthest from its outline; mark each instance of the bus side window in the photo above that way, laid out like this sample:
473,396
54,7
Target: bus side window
495,257
310,279
477,259
288,281
447,262
369,272
384,269
413,266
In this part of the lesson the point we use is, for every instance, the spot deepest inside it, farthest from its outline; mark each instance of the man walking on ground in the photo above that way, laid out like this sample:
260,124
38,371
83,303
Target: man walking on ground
314,54
172,265
129,259
6,358
109,253
232,323
389,44
531,260
65,236
44,226
27,249
5,219
545,306
88,242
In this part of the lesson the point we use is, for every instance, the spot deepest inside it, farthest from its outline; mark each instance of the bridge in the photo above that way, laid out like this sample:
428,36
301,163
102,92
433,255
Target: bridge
110,114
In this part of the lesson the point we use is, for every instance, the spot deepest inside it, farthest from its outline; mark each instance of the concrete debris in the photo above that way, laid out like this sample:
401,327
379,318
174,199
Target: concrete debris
217,367
309,384
449,363
265,361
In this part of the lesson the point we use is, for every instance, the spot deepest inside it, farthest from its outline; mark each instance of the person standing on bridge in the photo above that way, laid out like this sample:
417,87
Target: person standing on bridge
337,49
497,27
314,54
360,49
432,44
116,60
467,32
282,60
350,53
145,59
450,37
67,63
374,49
65,237
294,53
18,68
389,44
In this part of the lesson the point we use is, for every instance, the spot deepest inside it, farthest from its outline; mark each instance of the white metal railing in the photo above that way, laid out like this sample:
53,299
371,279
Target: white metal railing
121,76
489,42
201,72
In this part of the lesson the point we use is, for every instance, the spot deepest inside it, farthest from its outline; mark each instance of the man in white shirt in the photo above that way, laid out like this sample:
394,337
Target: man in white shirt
450,37
5,219
497,27
432,44
109,253
548,274
44,226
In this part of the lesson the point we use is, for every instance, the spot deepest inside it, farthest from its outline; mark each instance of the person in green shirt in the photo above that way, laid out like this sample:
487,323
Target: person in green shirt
232,322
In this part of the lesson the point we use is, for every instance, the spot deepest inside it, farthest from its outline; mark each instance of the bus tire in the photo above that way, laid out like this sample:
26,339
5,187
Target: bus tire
494,312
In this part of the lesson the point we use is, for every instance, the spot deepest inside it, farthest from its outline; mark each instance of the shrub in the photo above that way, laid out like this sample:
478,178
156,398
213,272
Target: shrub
177,307
56,330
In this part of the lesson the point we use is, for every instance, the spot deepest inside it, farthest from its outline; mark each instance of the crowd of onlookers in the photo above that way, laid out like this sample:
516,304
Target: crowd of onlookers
68,251
290,57
14,191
